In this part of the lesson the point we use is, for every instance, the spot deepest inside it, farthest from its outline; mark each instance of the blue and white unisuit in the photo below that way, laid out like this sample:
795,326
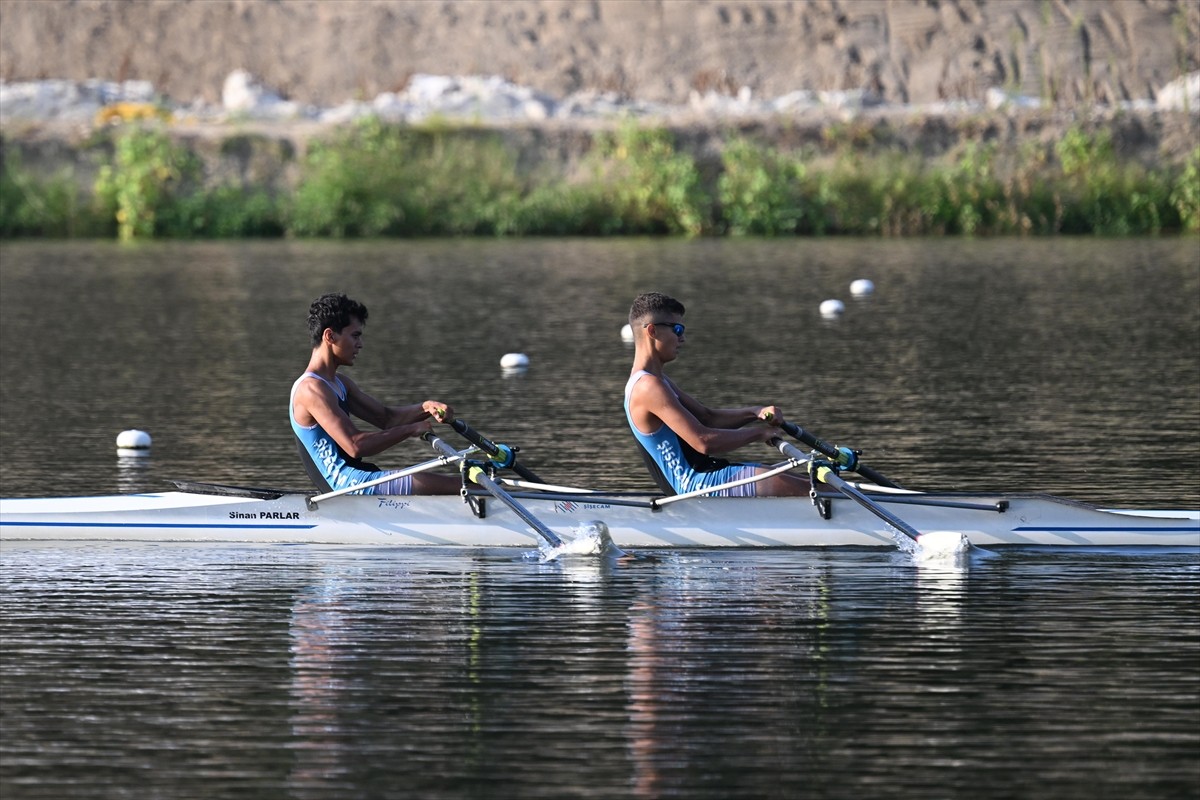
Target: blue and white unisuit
683,468
339,469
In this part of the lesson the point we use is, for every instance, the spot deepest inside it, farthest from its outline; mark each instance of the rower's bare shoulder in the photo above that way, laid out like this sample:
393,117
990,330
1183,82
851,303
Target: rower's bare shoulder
313,392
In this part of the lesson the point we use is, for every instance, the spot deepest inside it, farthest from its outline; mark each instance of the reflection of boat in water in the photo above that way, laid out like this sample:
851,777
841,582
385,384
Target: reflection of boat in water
208,512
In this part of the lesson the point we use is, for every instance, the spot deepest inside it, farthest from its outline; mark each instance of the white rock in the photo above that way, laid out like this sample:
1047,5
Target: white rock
1181,94
245,93
997,98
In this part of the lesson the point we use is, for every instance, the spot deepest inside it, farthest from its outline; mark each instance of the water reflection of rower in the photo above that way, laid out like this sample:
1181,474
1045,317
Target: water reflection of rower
318,631
645,705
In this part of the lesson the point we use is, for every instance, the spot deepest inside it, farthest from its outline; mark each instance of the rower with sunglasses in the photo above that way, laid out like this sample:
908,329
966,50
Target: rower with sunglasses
680,437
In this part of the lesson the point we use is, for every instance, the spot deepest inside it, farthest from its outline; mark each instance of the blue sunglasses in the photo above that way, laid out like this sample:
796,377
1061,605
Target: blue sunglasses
677,328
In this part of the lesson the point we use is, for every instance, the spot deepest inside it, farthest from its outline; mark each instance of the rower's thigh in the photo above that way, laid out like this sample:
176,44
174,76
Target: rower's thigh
784,485
432,483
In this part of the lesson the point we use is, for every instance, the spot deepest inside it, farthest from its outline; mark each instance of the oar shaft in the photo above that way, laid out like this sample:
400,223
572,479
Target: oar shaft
820,445
448,457
483,480
545,487
477,475
491,448
833,479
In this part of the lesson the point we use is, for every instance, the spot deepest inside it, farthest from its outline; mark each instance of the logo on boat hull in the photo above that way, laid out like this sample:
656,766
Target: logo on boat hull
281,515
573,507
388,502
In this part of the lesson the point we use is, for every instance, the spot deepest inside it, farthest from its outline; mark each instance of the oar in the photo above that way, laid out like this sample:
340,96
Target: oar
933,542
504,456
477,475
844,456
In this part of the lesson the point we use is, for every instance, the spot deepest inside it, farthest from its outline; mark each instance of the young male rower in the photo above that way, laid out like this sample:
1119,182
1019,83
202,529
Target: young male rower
678,435
322,402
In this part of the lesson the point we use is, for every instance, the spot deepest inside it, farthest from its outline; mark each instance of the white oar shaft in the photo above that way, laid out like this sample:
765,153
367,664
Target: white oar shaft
761,476
545,487
447,458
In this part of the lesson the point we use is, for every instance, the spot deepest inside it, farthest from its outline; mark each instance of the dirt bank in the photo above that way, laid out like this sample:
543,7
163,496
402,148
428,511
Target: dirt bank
1098,65
1066,52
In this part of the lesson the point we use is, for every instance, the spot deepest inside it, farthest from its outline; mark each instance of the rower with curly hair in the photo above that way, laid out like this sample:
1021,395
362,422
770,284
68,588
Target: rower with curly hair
323,402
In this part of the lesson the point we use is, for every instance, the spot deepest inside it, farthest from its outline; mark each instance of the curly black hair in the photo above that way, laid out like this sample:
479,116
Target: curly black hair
333,311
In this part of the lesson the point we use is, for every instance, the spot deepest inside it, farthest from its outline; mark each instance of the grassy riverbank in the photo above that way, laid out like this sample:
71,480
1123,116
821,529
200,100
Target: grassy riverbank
373,179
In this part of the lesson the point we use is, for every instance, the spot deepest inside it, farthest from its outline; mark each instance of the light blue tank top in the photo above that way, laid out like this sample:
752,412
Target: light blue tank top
334,465
684,468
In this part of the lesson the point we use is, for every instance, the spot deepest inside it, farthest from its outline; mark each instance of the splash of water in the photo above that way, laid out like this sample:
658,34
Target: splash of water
933,545
588,539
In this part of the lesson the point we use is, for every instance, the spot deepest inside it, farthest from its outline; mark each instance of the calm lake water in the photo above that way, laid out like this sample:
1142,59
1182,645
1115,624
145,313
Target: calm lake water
186,671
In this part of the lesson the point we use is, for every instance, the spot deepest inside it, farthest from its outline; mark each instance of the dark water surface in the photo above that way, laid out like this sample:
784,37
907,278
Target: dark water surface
219,671
187,671
1069,366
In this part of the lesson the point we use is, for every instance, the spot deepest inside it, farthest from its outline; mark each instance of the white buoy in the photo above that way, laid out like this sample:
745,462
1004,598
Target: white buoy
832,308
133,443
514,361
627,333
862,288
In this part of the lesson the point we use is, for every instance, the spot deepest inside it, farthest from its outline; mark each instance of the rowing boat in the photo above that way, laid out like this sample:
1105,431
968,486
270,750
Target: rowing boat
218,513
841,514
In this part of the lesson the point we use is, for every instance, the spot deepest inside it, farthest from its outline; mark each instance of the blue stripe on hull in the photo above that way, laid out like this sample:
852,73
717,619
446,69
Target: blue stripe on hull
150,525
1077,529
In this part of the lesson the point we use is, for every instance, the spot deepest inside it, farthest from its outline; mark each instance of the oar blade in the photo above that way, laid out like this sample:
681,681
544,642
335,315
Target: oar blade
941,545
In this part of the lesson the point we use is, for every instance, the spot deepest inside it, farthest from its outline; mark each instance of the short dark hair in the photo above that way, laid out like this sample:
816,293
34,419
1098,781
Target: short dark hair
653,303
334,311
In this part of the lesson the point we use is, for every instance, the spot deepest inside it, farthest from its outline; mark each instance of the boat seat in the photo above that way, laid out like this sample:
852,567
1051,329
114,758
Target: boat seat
660,480
314,474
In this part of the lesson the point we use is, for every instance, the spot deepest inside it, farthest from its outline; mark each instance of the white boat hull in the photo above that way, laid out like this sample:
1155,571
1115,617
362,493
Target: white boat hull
1026,520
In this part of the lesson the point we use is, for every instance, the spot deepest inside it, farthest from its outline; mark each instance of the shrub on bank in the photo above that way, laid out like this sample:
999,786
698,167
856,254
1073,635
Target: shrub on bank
44,207
374,179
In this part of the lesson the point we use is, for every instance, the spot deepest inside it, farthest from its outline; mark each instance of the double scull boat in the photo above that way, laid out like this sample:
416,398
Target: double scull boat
214,513
533,513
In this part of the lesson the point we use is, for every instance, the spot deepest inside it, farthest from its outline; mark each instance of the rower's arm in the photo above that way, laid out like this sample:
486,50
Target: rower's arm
368,408
652,403
728,417
316,400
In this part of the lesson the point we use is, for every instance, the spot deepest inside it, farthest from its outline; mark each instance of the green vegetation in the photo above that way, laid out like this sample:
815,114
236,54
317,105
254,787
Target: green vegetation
42,206
374,179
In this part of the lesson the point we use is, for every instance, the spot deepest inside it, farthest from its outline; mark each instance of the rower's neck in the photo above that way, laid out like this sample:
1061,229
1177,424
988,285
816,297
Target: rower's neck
321,364
647,362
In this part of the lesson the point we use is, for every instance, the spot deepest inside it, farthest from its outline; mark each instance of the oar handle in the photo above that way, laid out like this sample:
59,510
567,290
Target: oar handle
821,446
492,449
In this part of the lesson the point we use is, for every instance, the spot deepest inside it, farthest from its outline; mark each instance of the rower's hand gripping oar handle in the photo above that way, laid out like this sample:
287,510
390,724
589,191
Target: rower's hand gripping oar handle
844,457
501,454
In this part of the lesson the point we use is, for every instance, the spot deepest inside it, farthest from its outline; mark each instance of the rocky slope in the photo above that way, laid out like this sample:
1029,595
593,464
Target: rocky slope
1066,52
